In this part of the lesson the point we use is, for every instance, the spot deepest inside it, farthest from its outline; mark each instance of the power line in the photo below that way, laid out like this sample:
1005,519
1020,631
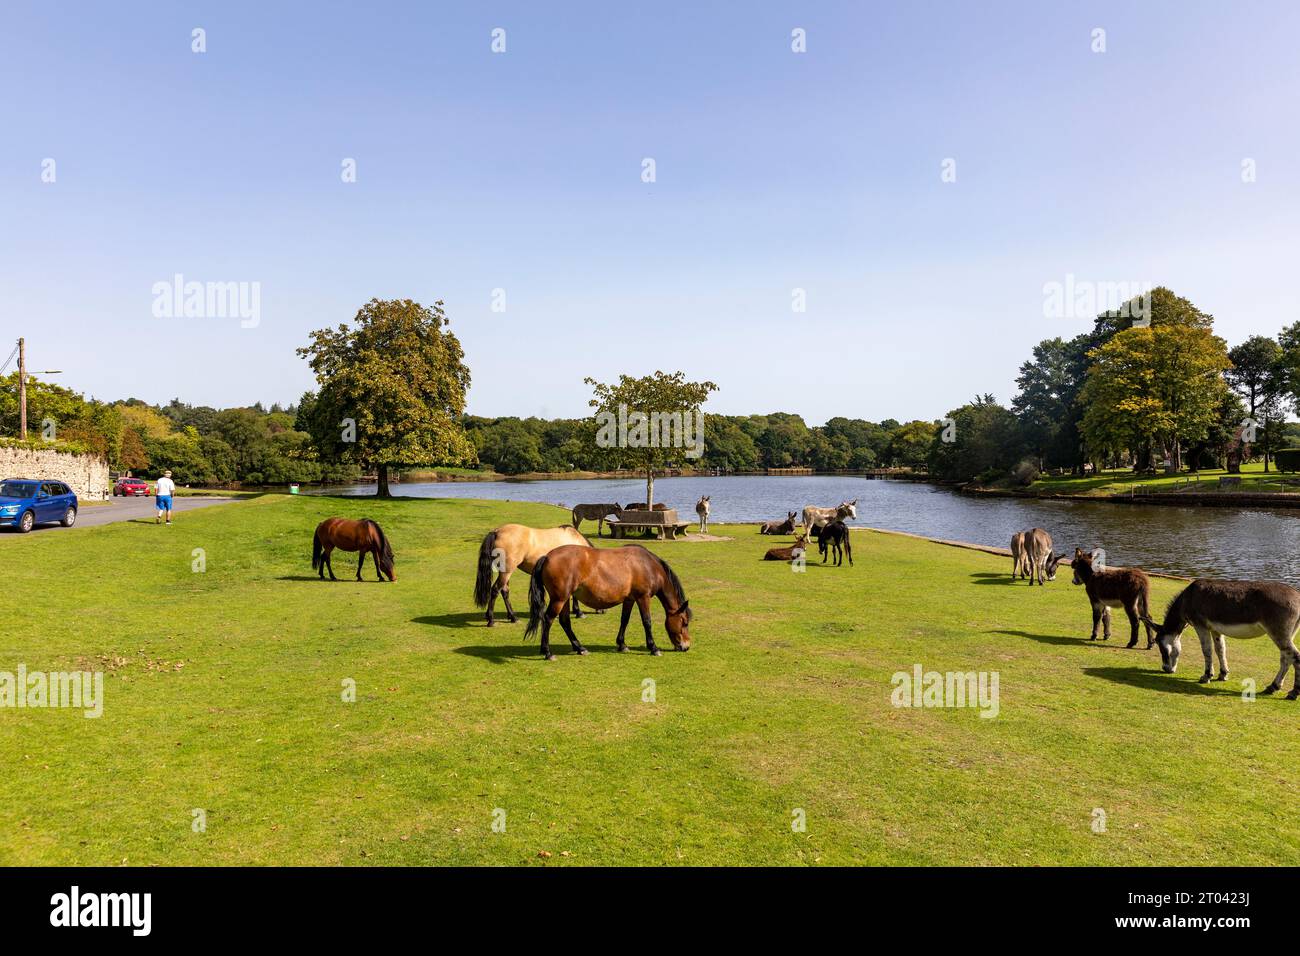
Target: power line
8,360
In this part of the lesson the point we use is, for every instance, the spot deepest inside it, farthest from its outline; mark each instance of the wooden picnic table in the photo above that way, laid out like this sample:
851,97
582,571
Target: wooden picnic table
663,523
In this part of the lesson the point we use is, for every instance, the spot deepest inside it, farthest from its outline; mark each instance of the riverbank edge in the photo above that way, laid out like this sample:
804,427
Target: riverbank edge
435,477
1205,499
989,549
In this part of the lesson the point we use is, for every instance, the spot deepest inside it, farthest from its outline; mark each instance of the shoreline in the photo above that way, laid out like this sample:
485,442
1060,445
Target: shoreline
1200,499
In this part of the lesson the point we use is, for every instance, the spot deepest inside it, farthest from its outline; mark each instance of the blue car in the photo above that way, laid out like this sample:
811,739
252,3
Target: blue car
25,503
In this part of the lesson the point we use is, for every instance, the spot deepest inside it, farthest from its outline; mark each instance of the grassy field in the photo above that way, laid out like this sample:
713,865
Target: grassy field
1121,481
224,694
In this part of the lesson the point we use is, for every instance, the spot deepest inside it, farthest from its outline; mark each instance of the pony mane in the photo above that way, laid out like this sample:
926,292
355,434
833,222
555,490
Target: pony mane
386,554
676,583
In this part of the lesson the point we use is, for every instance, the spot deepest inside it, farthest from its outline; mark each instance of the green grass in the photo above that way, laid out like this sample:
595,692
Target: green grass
224,694
1122,481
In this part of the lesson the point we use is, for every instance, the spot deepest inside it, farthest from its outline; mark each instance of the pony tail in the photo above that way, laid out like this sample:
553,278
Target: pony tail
315,550
536,599
483,580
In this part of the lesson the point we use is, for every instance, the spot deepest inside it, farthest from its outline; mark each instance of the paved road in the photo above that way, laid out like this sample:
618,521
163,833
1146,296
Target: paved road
124,509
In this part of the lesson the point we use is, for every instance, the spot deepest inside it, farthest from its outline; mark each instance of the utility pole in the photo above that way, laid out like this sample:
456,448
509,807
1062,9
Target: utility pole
22,390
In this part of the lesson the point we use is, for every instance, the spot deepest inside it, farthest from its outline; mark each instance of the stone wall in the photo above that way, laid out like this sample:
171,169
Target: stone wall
87,475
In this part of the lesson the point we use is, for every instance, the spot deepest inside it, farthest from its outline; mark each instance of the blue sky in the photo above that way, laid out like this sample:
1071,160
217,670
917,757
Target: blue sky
522,171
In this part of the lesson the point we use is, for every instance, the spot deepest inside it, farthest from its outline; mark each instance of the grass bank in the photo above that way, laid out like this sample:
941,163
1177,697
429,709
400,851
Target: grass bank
1253,480
224,695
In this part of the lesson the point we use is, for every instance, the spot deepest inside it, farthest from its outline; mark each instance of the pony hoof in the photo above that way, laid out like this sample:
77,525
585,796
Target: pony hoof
1294,695
622,648
513,620
1131,644
1223,676
582,651
550,657
656,653
1203,679
1271,689
490,624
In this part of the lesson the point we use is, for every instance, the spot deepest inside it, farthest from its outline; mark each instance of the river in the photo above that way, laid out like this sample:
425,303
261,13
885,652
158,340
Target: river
1217,542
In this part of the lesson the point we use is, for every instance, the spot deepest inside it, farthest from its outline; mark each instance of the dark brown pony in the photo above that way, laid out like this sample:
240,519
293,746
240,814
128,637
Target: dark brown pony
347,534
601,578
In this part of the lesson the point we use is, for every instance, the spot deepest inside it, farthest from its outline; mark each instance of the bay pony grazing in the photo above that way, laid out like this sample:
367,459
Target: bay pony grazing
603,577
814,517
1039,559
779,527
1128,588
702,509
514,546
1235,609
349,534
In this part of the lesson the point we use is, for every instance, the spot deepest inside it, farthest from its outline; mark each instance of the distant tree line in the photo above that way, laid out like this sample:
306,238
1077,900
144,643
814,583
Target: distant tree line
199,444
1149,386
514,446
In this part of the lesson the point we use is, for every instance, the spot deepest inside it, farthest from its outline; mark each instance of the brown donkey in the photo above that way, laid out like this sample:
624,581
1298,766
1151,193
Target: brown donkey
598,513
1036,556
779,527
1237,609
1018,567
1128,588
797,549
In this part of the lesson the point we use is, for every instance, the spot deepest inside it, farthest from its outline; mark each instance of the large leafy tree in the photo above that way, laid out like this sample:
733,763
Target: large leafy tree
391,390
1049,383
1159,386
979,440
1258,375
660,394
909,444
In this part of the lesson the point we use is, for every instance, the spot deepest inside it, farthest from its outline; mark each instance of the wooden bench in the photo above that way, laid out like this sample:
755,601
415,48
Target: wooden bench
663,523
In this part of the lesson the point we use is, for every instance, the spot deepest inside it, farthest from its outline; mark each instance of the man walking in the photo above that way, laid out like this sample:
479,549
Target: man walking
163,491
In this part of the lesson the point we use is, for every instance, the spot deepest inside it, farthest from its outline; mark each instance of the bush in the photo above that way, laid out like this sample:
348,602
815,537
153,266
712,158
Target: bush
1024,474
1288,459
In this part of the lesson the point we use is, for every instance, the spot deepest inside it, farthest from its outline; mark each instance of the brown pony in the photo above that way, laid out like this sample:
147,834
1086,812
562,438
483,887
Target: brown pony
603,577
347,534
514,546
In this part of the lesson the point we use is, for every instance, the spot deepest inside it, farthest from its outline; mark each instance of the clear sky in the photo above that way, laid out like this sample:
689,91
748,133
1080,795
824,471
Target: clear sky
522,171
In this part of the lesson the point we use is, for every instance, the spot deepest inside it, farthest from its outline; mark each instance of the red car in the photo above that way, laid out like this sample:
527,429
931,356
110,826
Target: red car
130,486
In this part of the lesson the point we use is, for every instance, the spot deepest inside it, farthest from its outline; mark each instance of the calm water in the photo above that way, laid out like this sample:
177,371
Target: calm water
1219,542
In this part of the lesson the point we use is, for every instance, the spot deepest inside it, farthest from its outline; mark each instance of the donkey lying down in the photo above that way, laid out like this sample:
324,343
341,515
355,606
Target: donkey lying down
1235,609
